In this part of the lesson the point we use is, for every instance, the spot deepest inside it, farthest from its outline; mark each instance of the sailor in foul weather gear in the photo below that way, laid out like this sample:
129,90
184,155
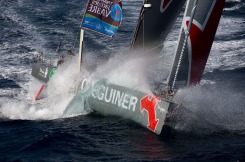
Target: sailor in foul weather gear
39,57
70,53
61,60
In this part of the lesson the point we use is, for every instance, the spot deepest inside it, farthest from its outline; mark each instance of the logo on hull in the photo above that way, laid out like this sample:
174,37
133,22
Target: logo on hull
114,97
149,105
43,73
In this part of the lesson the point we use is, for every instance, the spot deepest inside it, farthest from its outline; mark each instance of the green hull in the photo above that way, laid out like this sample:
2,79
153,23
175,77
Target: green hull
111,99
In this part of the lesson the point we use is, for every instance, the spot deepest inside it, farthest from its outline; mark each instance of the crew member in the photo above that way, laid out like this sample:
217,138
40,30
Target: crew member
70,53
61,60
39,57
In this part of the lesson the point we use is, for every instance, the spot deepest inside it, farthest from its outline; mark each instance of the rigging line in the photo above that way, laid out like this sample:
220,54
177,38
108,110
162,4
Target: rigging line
140,21
148,51
75,41
136,30
143,33
162,44
180,59
60,43
58,47
166,39
146,1
187,33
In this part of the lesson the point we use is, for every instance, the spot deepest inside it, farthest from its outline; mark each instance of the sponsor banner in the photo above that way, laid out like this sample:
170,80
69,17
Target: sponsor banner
103,16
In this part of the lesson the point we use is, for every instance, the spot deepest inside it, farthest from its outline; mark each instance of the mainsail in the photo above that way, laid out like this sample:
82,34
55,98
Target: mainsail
190,60
155,23
103,16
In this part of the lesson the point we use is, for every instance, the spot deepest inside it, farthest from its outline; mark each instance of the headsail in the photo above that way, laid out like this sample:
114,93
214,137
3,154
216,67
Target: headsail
155,23
103,16
187,70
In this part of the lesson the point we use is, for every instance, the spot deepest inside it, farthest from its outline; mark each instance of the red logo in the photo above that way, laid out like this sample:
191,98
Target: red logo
149,105
164,5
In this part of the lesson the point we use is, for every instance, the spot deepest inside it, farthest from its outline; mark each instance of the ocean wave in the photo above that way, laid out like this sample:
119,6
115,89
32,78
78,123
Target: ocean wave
237,6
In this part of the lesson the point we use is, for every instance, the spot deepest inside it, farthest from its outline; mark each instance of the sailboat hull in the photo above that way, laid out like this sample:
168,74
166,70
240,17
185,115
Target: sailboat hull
110,99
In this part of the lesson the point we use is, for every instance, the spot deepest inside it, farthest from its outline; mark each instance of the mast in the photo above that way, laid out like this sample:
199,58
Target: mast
103,17
80,50
187,33
191,57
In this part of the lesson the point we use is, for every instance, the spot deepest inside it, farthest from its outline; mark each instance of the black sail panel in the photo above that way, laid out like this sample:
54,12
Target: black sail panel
155,23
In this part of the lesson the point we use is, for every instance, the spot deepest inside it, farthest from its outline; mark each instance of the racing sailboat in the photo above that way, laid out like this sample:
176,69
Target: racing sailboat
156,19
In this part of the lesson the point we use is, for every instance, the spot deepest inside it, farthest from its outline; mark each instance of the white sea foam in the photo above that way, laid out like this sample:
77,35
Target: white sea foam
126,70
211,108
57,95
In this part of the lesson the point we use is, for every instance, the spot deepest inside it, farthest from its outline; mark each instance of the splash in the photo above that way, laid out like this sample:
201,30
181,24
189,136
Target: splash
122,70
210,109
126,70
56,96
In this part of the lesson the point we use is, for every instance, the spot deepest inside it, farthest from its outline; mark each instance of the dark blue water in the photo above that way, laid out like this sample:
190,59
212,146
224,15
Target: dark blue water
27,27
